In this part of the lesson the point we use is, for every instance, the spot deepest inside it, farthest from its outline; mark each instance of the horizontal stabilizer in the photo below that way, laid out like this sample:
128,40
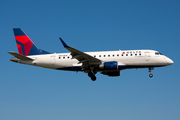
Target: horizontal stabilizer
19,56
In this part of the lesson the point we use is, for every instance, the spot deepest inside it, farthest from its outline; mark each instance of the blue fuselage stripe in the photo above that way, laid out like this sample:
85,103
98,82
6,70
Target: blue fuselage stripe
120,67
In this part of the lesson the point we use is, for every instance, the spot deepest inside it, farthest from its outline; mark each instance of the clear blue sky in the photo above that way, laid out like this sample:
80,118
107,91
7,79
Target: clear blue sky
33,93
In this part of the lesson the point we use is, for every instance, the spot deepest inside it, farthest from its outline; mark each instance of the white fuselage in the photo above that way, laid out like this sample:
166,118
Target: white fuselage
107,62
126,59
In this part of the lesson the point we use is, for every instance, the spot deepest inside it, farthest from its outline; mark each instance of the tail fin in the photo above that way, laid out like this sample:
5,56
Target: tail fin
25,45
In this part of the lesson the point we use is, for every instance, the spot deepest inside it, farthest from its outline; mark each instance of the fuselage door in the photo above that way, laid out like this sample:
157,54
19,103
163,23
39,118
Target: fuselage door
147,56
52,59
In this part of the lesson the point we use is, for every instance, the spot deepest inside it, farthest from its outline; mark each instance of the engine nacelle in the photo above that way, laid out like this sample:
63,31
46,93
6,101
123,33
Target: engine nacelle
113,65
112,74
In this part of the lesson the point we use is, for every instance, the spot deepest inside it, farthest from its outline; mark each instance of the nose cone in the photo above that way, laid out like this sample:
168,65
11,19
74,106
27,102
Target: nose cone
169,61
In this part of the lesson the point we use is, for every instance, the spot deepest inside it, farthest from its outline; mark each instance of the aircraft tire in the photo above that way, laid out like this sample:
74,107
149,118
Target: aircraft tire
93,78
150,75
90,74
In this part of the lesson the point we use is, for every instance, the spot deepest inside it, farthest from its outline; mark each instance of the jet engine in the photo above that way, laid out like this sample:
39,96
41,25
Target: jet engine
112,65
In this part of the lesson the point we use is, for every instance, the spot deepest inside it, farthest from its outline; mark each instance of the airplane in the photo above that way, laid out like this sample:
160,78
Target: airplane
107,62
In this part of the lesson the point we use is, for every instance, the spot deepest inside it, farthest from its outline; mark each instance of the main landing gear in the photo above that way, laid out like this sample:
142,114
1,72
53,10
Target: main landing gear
92,75
150,75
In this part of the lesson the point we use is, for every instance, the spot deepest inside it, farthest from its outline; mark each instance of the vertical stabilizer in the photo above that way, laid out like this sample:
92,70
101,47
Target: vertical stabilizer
25,45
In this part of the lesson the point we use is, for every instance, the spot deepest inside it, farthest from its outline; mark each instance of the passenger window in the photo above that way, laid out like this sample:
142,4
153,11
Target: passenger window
117,54
94,55
68,57
113,55
108,55
131,54
104,55
126,54
63,57
99,55
140,54
135,54
59,57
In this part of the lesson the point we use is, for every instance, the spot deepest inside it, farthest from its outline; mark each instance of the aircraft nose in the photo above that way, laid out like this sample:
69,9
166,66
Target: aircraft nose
169,61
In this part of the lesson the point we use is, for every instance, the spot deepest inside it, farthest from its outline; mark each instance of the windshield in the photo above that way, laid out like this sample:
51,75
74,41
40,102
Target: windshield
157,53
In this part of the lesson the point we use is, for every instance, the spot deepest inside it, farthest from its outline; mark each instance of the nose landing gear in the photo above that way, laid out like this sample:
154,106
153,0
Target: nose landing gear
151,75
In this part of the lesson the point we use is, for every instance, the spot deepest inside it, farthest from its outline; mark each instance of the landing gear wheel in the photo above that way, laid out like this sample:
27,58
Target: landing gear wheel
90,74
93,78
150,75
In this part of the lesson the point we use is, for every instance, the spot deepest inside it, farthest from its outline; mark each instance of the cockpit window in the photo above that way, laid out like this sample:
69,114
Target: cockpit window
157,53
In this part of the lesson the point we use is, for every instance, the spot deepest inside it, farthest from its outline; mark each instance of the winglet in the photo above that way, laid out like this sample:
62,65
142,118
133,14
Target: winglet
64,44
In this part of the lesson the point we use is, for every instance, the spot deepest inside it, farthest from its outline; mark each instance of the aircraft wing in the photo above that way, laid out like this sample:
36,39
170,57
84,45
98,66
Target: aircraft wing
85,59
